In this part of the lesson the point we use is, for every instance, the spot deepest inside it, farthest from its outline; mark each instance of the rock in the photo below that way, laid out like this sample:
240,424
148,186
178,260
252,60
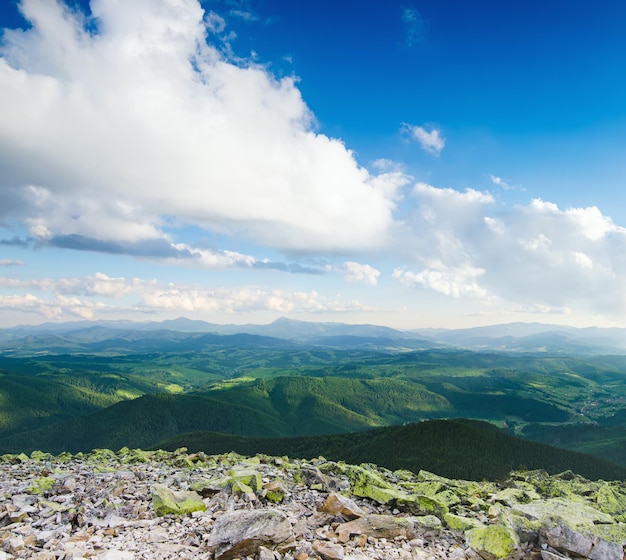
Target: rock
328,550
492,542
611,500
551,555
581,543
379,526
241,533
368,484
460,523
41,485
250,477
118,555
422,505
426,522
563,510
166,501
274,492
511,496
527,530
267,554
336,504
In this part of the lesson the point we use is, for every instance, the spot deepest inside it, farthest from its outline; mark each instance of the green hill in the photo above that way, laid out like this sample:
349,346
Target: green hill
466,449
141,423
321,405
286,406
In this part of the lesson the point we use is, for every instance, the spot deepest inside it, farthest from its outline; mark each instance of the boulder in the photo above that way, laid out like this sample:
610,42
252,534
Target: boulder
241,533
611,500
492,542
581,543
562,510
338,505
575,528
166,501
422,505
274,491
328,550
379,526
366,483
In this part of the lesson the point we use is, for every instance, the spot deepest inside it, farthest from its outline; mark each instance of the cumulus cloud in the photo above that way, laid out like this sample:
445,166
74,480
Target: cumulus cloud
117,125
455,282
430,140
360,273
536,256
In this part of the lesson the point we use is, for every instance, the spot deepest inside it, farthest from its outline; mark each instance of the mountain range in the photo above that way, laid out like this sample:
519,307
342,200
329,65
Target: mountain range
511,337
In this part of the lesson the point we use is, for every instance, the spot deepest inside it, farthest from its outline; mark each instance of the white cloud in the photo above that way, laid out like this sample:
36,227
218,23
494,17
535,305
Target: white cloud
8,262
214,22
384,164
534,256
582,260
97,285
500,182
57,308
91,297
455,282
360,273
430,140
542,309
110,132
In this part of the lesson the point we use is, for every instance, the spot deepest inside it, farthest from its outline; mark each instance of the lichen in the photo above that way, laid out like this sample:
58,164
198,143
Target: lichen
41,486
492,541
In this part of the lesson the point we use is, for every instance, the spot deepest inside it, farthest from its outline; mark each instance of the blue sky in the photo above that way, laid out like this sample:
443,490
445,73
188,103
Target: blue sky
413,164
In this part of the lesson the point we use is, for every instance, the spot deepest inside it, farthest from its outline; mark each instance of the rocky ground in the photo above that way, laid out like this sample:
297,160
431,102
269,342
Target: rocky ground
135,505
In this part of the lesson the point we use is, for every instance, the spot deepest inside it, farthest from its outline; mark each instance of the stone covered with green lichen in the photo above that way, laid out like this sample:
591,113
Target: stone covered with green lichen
492,541
166,501
41,485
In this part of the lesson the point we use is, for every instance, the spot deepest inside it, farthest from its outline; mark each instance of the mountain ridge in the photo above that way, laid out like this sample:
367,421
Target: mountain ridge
509,337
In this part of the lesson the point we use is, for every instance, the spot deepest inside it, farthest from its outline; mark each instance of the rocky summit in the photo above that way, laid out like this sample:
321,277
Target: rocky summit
137,504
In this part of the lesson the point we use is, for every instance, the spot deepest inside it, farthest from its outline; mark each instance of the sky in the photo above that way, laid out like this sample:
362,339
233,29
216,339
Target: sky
428,163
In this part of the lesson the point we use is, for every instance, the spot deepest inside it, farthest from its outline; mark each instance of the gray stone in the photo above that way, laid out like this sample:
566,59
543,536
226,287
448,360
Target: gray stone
379,526
241,533
328,550
336,504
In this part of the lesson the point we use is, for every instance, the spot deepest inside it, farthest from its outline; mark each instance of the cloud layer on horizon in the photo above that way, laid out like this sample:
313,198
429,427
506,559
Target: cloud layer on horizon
100,295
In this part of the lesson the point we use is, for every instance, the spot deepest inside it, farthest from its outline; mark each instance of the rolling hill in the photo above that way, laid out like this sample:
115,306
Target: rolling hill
88,385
